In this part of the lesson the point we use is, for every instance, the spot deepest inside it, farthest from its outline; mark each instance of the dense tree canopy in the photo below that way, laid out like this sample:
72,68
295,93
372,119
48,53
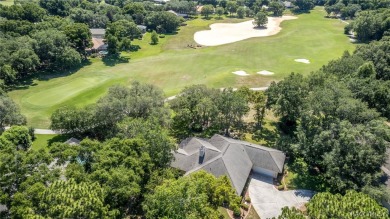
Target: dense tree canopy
276,7
79,37
68,199
335,132
195,196
163,22
54,51
326,205
27,11
99,120
201,109
207,10
304,5
371,25
20,168
9,113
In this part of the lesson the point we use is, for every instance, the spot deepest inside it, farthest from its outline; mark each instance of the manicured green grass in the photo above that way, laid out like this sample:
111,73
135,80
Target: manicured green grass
44,141
171,65
223,212
304,180
7,2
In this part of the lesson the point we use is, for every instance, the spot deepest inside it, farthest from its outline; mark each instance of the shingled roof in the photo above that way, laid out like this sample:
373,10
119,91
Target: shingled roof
226,156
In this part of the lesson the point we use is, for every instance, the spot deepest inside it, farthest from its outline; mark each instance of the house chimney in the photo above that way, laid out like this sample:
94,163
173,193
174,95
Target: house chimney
202,151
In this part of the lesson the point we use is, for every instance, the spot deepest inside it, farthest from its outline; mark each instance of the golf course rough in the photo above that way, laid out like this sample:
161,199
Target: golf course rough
171,65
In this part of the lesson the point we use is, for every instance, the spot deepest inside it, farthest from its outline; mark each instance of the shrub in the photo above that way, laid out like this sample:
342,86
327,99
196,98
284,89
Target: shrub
154,38
236,211
348,28
248,199
162,36
244,206
31,132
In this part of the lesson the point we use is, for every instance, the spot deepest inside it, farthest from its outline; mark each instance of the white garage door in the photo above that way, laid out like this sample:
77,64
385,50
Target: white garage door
265,172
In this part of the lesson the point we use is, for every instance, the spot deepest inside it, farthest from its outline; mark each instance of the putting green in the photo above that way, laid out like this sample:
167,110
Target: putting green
171,65
7,2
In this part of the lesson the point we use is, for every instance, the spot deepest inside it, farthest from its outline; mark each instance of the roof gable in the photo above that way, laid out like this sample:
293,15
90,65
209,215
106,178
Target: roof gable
238,165
227,156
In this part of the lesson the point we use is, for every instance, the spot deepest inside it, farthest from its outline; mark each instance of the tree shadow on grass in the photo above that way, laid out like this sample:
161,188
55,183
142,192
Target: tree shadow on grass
307,179
114,60
298,12
173,33
59,139
46,75
267,135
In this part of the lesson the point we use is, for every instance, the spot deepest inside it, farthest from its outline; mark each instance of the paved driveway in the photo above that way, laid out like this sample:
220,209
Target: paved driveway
268,201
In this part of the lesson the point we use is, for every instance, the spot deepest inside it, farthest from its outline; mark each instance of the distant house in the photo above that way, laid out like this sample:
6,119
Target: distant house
98,40
226,156
72,141
54,164
142,28
98,32
288,4
178,14
3,208
161,1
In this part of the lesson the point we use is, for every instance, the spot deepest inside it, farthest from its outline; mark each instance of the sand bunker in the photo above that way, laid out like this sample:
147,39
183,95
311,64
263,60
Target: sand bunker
265,72
306,61
240,73
224,33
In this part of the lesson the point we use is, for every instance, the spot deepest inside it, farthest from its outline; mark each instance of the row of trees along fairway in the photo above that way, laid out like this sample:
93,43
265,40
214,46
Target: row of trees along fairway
53,35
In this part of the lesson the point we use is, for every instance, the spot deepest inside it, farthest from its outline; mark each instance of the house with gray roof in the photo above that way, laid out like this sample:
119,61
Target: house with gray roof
236,159
72,141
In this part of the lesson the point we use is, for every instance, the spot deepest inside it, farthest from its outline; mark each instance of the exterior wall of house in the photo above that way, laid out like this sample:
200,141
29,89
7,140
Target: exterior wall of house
266,172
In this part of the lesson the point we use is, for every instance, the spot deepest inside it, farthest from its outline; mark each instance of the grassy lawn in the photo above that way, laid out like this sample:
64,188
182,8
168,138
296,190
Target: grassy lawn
43,141
171,65
223,212
7,2
269,132
252,214
296,179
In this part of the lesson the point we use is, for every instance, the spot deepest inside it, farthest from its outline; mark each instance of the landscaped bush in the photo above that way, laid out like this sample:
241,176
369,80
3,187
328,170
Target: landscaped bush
236,211
161,36
248,199
244,206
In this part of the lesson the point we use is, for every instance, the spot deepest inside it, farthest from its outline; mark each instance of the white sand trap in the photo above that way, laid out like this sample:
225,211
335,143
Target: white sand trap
240,73
224,33
306,61
265,72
